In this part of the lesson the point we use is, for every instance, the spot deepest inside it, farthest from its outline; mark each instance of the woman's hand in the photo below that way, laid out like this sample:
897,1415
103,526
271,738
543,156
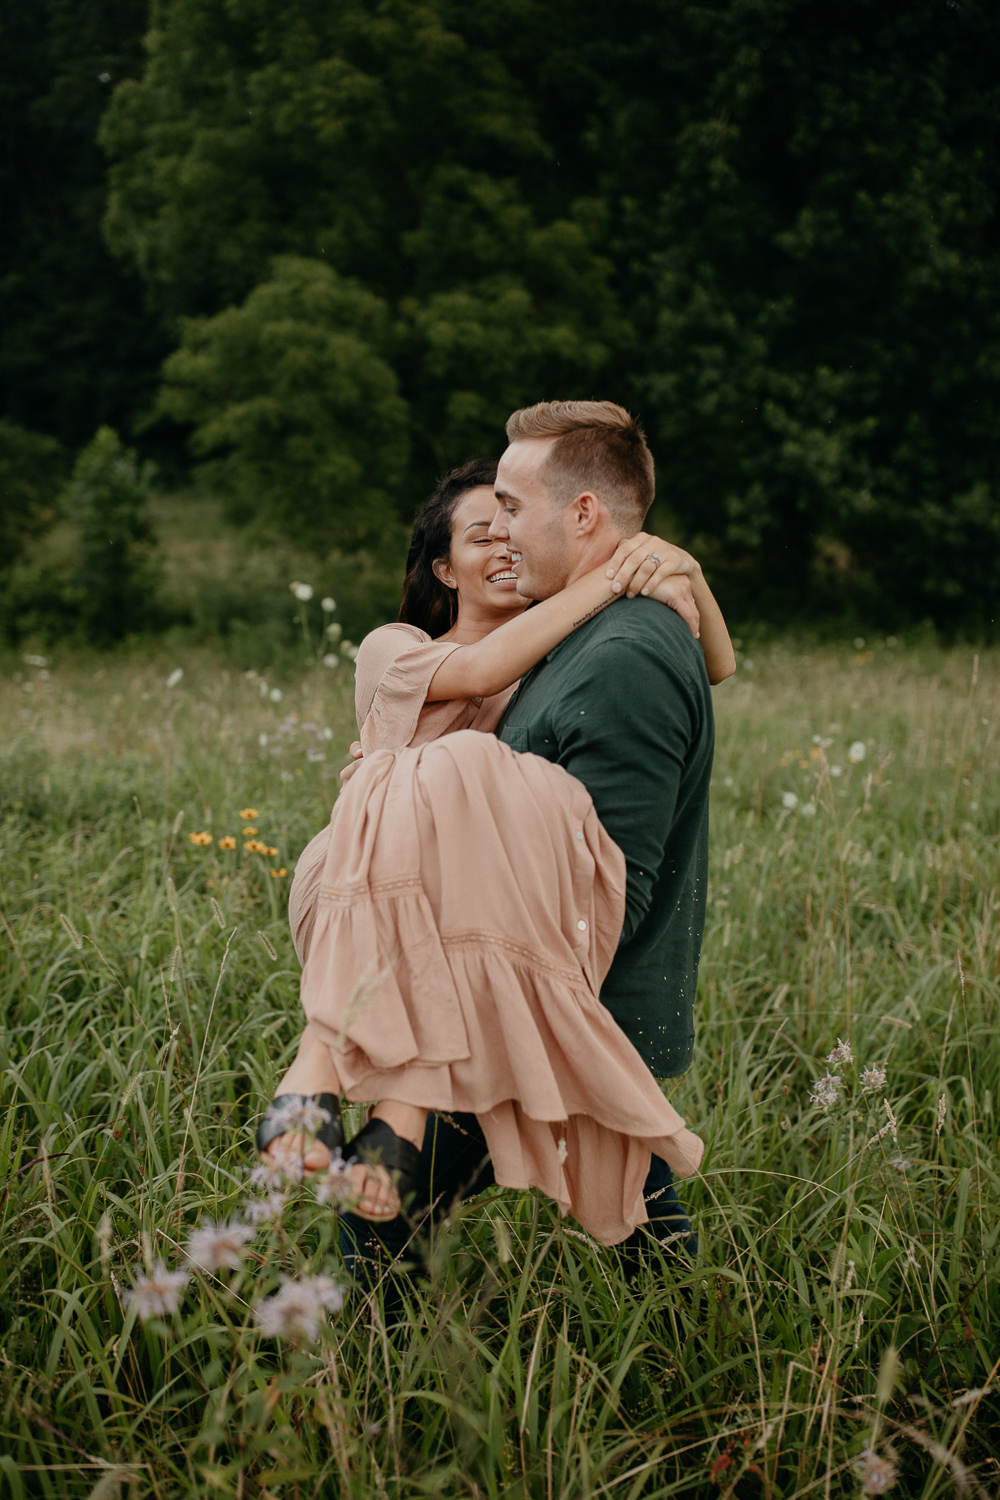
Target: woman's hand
645,564
349,771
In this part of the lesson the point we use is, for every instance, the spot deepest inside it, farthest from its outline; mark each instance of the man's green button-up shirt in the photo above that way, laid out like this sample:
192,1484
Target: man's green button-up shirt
624,705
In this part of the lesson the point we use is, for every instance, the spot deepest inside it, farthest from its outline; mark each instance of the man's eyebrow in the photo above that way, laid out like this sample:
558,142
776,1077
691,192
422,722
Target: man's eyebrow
475,523
503,494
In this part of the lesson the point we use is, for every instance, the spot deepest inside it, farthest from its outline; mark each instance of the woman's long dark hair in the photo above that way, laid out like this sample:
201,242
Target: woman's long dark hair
427,602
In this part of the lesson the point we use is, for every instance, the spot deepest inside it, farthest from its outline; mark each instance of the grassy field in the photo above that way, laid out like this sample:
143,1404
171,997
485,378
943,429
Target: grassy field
838,1330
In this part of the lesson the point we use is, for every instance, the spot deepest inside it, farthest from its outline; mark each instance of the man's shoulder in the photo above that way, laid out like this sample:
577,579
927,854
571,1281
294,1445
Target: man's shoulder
634,628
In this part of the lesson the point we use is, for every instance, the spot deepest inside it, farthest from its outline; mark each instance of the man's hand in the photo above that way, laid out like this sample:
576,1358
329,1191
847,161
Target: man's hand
358,755
647,565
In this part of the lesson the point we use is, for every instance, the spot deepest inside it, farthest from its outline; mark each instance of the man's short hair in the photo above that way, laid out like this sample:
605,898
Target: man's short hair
597,447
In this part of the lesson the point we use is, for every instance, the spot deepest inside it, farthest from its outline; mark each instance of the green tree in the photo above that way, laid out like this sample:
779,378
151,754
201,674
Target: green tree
107,501
78,346
32,472
294,388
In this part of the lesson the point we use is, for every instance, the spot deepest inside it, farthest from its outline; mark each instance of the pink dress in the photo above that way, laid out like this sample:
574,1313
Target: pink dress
455,921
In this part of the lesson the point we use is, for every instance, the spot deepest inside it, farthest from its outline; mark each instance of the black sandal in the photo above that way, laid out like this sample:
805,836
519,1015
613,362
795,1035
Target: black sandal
330,1133
377,1145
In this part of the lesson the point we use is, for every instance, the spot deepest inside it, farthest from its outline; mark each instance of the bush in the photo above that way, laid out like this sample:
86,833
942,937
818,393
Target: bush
32,471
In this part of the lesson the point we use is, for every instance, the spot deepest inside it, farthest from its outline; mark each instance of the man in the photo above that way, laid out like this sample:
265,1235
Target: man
624,705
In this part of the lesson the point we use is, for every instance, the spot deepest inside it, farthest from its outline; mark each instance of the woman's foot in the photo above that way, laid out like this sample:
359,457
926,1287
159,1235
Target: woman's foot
311,1074
386,1152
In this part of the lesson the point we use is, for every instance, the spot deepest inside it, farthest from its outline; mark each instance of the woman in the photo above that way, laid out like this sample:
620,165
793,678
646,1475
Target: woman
485,1002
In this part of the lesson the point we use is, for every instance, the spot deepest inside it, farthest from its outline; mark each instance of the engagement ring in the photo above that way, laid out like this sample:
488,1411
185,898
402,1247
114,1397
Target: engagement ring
652,557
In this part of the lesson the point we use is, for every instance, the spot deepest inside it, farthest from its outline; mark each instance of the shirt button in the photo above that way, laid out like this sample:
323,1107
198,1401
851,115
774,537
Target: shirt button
582,925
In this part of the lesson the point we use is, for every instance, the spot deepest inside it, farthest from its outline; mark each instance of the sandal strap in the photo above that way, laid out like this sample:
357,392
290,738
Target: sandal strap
378,1145
330,1133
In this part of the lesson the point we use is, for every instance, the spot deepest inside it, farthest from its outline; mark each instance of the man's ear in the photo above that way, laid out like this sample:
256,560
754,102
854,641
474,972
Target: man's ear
587,513
441,568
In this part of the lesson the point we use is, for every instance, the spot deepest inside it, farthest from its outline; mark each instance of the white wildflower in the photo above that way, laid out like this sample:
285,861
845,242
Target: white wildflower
807,810
873,1080
302,591
262,740
314,755
297,1308
901,1163
175,677
841,1054
217,1246
301,1119
876,1474
265,1210
330,660
836,770
857,752
335,1185
859,643
275,695
272,1176
159,1294
37,661
789,800
328,605
334,631
824,1092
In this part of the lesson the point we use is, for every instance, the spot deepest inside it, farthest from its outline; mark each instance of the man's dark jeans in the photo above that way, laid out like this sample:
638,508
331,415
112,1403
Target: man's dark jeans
455,1164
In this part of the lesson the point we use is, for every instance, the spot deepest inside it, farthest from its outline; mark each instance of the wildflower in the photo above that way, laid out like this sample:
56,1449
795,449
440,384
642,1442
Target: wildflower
312,754
265,1210
901,1163
942,1110
275,695
841,1054
228,842
857,751
218,1247
876,1474
248,814
278,874
202,838
273,1175
159,1294
175,677
334,631
302,591
37,661
349,650
789,800
836,770
335,1185
823,1093
807,810
298,1307
302,1119
254,846
262,740
328,605
248,832
873,1080
330,660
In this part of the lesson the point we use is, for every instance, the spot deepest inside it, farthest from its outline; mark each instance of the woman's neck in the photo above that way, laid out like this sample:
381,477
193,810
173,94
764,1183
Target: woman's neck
474,624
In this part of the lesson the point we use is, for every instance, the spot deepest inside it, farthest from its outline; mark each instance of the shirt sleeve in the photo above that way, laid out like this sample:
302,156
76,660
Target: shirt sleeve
625,727
394,670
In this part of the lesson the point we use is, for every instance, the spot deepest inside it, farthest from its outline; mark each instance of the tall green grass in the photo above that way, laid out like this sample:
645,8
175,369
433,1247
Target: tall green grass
845,1297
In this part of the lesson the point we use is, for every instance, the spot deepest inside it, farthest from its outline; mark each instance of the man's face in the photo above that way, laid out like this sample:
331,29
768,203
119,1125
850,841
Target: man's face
538,528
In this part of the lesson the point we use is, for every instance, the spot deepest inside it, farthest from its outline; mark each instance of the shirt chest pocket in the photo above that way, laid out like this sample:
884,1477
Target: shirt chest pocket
516,738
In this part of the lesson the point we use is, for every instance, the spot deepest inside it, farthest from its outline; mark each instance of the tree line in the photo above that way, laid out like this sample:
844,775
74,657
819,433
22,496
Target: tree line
320,252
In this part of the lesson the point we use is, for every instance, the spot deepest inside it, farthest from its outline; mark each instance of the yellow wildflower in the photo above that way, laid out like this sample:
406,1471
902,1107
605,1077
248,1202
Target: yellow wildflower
271,851
228,842
277,874
248,812
200,838
254,846
248,832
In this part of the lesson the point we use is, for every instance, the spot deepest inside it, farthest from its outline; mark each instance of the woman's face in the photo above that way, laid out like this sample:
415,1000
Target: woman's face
479,567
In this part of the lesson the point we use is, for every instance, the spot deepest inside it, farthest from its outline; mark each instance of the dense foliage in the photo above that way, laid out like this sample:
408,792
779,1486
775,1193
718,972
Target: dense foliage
768,226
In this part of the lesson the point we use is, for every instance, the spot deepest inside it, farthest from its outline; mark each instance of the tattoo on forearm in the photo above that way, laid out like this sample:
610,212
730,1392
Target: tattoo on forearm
598,608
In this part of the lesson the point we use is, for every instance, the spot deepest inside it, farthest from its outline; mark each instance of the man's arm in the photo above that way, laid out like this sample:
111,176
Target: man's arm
625,730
